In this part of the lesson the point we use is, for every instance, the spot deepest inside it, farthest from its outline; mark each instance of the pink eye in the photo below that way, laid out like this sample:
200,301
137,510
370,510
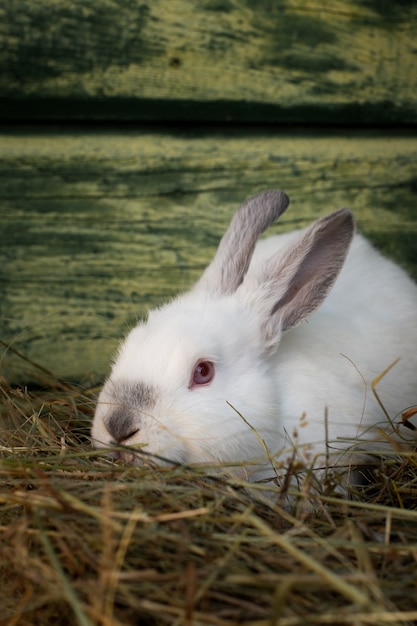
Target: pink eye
203,373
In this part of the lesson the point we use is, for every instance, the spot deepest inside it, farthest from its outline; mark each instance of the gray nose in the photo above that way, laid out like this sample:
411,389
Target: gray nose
121,425
126,402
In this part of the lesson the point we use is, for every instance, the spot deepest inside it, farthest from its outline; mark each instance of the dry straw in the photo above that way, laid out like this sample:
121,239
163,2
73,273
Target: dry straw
85,540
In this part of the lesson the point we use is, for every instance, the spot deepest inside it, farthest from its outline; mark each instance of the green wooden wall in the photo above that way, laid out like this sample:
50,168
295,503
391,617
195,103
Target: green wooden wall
315,61
131,130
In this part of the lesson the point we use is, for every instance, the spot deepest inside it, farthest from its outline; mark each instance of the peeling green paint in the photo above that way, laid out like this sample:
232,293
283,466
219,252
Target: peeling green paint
288,61
96,227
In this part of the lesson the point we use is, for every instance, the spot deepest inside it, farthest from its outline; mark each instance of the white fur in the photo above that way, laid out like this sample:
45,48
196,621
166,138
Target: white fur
282,383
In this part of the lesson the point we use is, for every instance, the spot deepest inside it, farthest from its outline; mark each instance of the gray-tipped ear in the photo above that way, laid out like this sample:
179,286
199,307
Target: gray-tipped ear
231,261
291,284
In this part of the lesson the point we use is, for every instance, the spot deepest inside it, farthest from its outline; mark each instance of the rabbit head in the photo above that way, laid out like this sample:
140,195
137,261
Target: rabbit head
193,382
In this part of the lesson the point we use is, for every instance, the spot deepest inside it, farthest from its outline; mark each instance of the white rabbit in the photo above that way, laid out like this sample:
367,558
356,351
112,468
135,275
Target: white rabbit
265,354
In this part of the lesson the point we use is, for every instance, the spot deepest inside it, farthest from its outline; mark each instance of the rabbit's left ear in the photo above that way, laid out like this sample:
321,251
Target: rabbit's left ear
231,261
290,285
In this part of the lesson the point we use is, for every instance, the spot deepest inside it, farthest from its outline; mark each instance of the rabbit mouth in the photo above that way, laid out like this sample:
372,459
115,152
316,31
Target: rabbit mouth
132,456
141,457
128,456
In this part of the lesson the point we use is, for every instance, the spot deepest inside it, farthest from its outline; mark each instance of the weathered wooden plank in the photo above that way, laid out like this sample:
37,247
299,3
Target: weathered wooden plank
347,61
96,227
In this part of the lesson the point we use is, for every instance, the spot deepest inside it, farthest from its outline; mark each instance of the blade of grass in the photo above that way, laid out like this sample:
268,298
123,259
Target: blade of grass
336,582
71,595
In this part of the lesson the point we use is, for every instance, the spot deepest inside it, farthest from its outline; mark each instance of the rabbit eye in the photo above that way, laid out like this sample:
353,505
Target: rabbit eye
203,373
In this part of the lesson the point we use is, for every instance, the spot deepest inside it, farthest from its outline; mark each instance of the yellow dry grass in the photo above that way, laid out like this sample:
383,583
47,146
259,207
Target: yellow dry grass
86,540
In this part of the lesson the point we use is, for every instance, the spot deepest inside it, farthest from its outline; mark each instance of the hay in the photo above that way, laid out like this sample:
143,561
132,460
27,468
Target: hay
89,541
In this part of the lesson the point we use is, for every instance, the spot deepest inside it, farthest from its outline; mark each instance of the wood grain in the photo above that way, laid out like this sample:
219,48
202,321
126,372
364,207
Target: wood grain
345,62
96,227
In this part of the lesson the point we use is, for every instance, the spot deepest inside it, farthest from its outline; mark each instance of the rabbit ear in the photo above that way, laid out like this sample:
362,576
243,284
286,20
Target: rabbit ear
231,261
294,282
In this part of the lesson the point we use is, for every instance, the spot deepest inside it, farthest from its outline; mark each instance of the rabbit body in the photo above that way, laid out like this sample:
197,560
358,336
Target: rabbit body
268,353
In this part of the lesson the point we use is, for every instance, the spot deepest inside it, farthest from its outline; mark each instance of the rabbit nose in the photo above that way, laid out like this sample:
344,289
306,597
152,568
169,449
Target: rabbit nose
126,401
121,426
